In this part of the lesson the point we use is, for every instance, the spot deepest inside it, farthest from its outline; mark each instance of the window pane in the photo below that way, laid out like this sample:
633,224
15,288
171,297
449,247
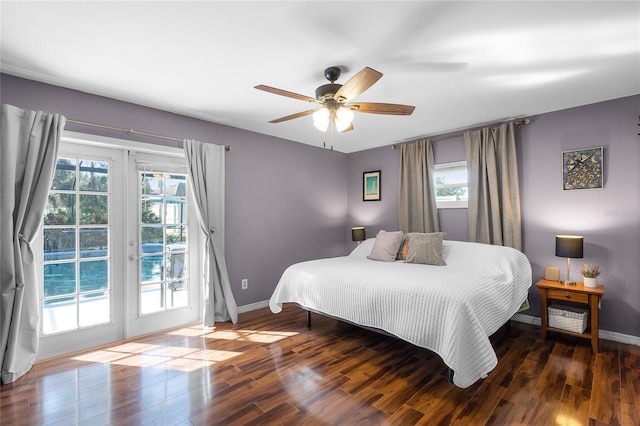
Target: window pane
152,184
59,244
59,279
152,235
176,265
151,297
94,309
65,175
94,242
94,275
177,237
176,212
151,210
94,209
177,294
176,185
61,209
94,176
59,315
151,268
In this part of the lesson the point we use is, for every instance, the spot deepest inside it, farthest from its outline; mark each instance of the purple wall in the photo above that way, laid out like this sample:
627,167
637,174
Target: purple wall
303,209
609,219
285,202
375,216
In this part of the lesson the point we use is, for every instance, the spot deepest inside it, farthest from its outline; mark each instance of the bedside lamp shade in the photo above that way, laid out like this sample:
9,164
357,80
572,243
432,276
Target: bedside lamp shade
357,234
571,247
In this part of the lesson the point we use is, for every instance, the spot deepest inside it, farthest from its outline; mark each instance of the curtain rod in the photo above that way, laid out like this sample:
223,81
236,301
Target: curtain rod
131,131
444,136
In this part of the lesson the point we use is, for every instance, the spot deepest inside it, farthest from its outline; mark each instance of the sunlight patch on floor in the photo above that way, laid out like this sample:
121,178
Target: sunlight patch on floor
180,358
176,358
258,336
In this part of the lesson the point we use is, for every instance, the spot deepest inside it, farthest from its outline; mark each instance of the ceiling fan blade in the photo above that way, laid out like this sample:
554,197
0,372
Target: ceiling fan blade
381,108
357,84
348,129
285,93
292,116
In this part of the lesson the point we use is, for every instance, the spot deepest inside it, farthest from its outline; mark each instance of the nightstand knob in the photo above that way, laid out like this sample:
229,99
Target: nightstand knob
568,296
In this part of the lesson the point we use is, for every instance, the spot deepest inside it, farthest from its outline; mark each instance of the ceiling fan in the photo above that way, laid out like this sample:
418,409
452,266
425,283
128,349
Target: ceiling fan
335,100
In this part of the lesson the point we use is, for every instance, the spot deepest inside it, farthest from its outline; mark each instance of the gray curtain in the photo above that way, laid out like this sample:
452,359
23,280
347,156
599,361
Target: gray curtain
494,191
205,164
417,198
28,153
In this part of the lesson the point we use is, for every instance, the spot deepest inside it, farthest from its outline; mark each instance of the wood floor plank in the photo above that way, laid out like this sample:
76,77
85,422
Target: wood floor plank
580,372
605,396
554,376
272,369
507,413
574,406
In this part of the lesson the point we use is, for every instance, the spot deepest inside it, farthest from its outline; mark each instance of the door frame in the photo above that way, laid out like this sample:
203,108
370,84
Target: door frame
50,345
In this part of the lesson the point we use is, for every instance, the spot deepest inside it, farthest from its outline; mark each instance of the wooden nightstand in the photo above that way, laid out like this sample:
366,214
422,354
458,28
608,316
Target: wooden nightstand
575,293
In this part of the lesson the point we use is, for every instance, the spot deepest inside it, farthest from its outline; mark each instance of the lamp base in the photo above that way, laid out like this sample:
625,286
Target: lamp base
569,283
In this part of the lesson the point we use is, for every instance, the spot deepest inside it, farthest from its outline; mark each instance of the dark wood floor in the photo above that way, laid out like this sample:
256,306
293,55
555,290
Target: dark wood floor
271,369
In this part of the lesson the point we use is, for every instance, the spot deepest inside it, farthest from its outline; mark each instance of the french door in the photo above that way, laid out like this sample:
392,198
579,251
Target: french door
162,245
117,253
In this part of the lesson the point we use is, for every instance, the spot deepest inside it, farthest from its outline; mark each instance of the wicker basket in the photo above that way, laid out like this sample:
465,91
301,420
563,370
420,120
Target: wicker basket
568,318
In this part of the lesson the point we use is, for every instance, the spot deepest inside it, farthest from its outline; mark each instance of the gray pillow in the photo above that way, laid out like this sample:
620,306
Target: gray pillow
386,246
425,249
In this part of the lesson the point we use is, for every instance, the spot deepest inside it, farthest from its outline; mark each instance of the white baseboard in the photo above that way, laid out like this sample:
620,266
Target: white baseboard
603,334
253,306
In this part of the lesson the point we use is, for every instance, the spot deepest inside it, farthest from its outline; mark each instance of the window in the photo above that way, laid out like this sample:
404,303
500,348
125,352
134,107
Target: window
451,185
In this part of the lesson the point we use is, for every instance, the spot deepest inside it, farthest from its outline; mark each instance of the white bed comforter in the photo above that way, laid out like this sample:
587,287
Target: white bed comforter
450,310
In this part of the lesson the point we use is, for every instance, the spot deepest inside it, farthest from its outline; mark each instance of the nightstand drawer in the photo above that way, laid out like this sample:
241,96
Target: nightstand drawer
567,295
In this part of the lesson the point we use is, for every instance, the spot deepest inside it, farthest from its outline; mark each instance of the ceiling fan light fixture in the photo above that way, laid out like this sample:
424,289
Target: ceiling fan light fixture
343,118
321,119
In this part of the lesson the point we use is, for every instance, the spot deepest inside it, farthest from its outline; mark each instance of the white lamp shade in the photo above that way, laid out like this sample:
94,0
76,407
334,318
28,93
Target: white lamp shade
321,119
343,118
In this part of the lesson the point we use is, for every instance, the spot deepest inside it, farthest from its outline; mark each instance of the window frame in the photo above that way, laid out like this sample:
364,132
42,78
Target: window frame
452,166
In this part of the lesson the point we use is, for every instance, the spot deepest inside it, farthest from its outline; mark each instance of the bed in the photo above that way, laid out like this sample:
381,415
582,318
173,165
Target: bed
451,310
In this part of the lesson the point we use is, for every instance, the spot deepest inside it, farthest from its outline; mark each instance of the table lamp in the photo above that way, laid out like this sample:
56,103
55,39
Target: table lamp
357,234
569,246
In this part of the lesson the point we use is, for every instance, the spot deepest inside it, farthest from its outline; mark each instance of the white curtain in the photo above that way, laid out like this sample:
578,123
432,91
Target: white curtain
494,191
205,164
418,211
28,153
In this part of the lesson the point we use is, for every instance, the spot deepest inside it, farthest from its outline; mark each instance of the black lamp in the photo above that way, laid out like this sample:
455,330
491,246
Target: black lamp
569,246
357,234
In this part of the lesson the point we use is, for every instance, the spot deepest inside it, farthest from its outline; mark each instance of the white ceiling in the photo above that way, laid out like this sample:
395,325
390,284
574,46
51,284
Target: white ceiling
462,64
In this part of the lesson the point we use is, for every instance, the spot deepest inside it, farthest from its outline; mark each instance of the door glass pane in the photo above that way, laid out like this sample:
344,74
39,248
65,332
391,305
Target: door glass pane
61,209
94,176
152,184
77,286
59,243
94,209
94,242
59,315
65,175
152,210
94,275
59,279
164,246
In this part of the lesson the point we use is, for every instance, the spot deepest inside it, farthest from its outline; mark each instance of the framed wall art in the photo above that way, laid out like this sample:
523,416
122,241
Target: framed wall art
371,186
582,169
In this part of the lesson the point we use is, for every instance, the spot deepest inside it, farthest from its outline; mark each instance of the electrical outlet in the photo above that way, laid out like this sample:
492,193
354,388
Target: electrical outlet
245,284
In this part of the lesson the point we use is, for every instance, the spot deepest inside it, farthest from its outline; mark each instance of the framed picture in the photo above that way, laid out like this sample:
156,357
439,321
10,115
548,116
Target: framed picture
582,169
371,186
